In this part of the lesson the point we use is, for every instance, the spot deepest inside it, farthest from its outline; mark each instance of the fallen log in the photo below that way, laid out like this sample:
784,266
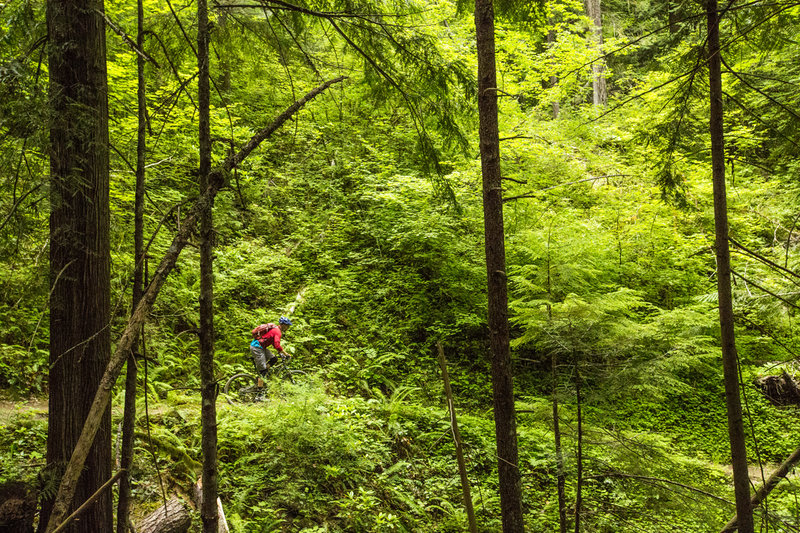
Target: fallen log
173,517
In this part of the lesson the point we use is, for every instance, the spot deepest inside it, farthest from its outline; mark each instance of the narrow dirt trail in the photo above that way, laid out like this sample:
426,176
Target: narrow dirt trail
9,408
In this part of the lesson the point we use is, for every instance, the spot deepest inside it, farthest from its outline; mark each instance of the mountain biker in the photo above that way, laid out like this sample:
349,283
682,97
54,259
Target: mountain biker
267,335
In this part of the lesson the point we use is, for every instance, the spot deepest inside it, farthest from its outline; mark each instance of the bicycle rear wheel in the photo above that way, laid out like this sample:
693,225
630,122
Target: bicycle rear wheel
243,388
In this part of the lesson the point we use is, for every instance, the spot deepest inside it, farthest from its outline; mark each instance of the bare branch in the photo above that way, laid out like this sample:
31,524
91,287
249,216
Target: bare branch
764,259
769,484
88,503
662,480
130,42
532,194
759,287
16,205
759,91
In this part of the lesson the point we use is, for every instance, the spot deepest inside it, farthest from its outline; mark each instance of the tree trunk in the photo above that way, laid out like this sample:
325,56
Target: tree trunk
173,517
99,407
555,106
561,477
79,338
579,455
502,382
199,498
129,416
224,60
741,480
595,14
672,15
208,512
560,474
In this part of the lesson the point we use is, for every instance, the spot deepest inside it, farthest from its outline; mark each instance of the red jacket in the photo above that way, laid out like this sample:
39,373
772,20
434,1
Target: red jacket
272,338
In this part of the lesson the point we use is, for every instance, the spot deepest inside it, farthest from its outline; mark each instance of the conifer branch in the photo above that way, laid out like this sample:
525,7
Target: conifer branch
762,93
534,193
662,480
17,204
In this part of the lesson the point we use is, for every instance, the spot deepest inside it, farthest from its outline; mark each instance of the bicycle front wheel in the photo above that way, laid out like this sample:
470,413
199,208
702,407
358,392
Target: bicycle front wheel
242,388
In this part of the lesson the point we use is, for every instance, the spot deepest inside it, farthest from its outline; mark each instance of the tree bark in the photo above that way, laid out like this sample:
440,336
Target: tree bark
672,15
462,467
80,342
595,14
224,60
555,106
208,512
222,523
741,480
173,517
561,477
579,455
129,416
502,382
99,406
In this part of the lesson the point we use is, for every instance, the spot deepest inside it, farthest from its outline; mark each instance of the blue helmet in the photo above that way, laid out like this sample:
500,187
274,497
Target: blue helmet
284,320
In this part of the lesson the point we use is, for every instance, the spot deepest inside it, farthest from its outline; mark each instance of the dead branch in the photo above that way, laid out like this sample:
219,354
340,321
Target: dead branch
125,37
533,193
88,503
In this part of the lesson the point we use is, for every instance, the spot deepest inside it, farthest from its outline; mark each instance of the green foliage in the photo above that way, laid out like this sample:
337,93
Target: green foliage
337,221
23,434
23,370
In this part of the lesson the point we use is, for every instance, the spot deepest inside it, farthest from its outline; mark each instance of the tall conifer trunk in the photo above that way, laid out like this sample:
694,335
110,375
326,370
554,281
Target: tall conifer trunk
129,416
80,345
741,480
502,382
208,511
672,15
555,106
595,14
560,475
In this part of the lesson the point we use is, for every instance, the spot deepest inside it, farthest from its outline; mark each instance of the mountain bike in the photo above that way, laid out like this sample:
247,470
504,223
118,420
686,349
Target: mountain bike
244,386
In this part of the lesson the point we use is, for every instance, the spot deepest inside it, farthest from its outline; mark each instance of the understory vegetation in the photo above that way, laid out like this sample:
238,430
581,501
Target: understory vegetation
361,219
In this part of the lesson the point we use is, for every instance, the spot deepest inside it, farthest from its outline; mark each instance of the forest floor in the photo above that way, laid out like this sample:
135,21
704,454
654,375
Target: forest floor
10,407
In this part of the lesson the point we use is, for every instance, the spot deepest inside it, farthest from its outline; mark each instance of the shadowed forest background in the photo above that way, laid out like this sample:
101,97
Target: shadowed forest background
361,218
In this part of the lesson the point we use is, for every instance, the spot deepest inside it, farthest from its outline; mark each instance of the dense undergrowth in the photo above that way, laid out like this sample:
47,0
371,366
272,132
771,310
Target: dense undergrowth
311,459
369,234
307,460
